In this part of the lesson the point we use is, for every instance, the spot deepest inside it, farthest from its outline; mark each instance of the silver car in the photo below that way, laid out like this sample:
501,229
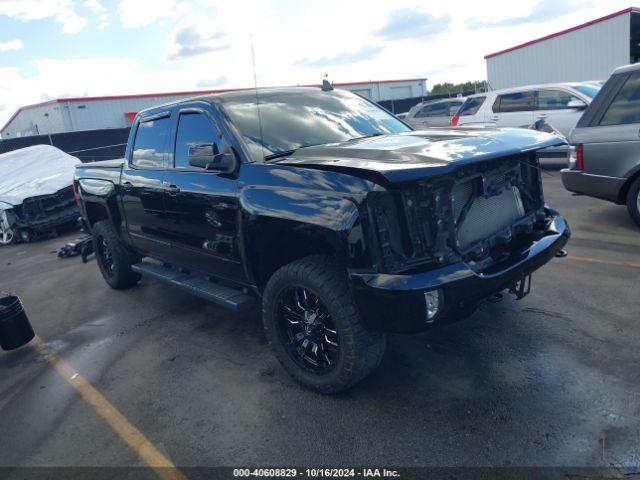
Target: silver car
605,161
434,113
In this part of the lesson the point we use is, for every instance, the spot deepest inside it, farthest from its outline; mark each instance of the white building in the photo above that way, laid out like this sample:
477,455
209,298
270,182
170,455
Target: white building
93,113
585,52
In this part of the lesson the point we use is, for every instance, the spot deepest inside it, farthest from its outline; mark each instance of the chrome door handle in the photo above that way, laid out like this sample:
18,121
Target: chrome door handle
127,186
173,190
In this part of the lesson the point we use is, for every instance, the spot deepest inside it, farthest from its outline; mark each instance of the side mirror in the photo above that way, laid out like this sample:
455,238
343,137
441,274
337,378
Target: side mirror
208,157
577,104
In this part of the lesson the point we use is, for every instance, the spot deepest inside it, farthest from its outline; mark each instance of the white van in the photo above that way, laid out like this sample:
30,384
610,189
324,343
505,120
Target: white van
560,105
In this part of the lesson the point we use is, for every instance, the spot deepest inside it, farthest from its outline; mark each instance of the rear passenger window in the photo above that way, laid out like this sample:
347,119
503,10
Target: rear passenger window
625,107
150,146
471,105
195,129
514,102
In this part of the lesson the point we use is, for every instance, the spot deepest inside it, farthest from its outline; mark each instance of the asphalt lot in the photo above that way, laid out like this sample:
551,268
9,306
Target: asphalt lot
551,380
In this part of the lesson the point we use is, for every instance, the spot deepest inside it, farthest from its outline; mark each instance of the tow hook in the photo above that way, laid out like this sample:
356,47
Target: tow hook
561,254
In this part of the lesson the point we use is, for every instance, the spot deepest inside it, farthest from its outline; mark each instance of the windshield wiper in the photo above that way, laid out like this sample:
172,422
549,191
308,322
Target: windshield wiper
375,134
284,153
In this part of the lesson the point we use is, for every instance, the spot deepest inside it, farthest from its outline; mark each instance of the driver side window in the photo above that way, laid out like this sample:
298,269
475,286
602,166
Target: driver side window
195,129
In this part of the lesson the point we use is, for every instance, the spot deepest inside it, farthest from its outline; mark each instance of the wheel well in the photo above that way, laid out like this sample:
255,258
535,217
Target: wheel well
282,247
96,212
622,196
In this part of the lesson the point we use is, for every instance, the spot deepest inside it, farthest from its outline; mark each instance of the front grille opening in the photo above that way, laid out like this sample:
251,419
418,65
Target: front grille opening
493,206
476,214
479,217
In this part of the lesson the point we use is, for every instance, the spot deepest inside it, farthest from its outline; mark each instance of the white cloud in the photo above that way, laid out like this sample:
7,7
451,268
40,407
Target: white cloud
10,46
194,36
94,5
142,13
294,42
62,11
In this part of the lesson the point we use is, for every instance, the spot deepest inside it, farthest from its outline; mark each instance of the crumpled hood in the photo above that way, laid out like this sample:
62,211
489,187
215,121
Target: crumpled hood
34,171
419,154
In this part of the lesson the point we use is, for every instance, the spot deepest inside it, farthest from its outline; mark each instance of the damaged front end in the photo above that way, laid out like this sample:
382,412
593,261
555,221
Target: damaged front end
448,242
38,216
475,214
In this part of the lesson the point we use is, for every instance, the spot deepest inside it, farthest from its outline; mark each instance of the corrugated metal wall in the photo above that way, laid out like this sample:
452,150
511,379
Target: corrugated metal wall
383,91
589,53
36,120
110,113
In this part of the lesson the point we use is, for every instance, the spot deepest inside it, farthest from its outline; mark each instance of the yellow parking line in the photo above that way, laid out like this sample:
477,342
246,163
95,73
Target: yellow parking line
605,262
134,438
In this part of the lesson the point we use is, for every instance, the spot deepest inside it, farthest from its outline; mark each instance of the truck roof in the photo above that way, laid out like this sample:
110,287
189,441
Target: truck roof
249,94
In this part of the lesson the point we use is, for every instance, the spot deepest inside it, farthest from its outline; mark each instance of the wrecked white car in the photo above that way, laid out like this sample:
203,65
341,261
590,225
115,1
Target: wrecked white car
36,195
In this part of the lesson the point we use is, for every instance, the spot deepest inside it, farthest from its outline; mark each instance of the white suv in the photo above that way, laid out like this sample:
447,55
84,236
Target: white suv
560,105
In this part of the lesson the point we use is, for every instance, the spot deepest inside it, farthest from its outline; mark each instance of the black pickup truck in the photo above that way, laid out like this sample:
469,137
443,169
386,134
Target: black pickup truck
336,217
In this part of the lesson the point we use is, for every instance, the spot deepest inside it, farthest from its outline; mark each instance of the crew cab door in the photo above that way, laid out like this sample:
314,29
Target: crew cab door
202,206
141,185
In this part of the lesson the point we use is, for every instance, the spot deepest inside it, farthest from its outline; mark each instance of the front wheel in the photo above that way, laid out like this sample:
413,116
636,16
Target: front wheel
633,201
113,257
8,236
315,329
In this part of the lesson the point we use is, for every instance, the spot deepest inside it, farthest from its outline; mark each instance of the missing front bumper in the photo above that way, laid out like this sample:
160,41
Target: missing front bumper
396,303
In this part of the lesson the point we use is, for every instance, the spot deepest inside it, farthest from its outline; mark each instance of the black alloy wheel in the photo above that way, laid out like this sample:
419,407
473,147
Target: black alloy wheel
307,330
314,327
113,258
105,256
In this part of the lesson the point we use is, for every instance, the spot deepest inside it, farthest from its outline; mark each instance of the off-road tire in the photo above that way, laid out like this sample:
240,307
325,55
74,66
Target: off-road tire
120,276
633,201
361,350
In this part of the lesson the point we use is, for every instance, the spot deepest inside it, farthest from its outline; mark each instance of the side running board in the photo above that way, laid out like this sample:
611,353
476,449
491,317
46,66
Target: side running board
230,298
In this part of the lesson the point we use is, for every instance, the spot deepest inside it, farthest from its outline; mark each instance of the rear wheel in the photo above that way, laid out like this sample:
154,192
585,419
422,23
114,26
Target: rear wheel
633,201
315,329
114,258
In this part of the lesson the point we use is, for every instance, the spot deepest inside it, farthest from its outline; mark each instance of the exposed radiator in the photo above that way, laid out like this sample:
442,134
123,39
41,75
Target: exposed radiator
485,217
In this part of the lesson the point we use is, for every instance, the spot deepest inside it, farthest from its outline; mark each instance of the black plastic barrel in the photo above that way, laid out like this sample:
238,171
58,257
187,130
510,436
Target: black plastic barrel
15,329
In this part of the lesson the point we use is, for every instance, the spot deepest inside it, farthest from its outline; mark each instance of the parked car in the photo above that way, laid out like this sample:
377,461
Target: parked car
434,113
559,105
326,210
35,193
605,162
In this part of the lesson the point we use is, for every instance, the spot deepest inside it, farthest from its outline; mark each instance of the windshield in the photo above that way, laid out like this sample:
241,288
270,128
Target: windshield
588,89
305,117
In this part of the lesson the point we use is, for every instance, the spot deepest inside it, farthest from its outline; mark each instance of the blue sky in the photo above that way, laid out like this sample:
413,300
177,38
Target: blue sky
60,48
